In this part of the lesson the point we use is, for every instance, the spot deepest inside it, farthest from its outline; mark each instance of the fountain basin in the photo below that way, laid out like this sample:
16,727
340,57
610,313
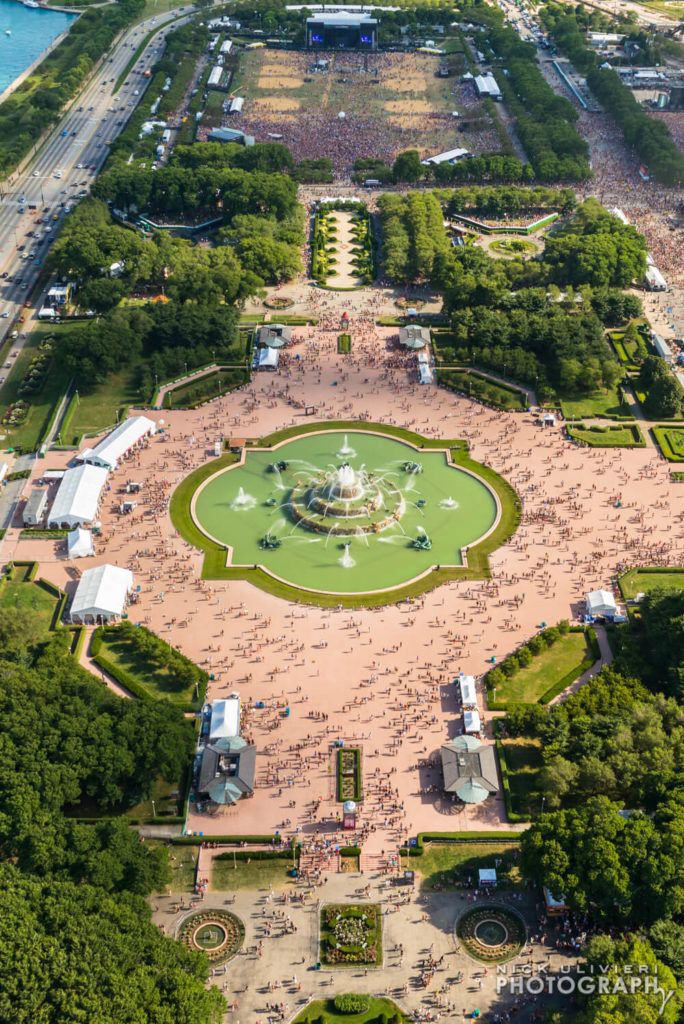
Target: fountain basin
373,505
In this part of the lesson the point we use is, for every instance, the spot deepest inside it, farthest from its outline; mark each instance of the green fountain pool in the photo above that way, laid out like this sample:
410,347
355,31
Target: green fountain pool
345,512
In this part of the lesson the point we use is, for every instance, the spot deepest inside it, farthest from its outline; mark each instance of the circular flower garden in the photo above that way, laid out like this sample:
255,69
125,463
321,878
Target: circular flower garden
351,934
217,933
490,933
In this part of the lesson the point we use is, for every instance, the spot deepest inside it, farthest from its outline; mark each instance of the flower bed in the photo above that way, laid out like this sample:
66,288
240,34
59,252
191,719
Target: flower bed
490,933
278,302
349,774
351,934
216,933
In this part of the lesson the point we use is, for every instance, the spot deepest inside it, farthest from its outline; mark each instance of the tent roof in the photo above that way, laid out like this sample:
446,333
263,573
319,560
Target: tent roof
225,718
102,591
78,494
487,874
122,439
268,358
80,543
599,599
471,721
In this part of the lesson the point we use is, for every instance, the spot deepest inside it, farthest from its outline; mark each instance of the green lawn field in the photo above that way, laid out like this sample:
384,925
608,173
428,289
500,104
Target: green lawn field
642,581
547,669
444,865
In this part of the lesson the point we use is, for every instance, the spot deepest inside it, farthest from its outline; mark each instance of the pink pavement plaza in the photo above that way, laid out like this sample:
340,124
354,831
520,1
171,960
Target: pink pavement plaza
381,679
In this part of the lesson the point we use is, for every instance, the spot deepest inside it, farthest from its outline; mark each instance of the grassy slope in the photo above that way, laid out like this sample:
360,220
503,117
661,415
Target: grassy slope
528,684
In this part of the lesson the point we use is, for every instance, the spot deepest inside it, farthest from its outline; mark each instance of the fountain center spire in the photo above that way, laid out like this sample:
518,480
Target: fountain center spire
345,483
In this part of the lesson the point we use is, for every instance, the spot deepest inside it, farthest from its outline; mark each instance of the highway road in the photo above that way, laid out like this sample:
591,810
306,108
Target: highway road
34,203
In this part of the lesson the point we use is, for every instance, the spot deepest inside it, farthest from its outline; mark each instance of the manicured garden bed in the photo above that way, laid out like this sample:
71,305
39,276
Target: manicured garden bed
351,934
344,344
216,933
324,1011
349,780
626,435
491,934
670,440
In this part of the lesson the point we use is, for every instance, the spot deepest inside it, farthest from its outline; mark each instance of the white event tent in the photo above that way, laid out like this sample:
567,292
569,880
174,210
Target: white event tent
225,718
101,594
78,499
468,692
80,543
121,440
601,602
471,721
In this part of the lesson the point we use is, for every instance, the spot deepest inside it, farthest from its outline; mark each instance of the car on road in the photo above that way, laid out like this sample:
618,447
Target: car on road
4,315
22,209
58,175
23,286
64,133
21,248
35,174
2,380
21,200
4,275
36,263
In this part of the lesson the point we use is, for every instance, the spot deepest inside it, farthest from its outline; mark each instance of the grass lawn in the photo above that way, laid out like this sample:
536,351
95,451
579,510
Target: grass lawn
324,1010
168,801
156,681
444,865
488,391
182,861
642,581
36,604
627,436
670,440
344,344
601,403
28,435
187,396
523,760
95,411
568,655
256,874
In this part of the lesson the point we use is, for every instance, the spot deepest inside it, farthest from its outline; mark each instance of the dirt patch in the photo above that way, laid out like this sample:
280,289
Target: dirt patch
274,104
275,81
408,106
409,83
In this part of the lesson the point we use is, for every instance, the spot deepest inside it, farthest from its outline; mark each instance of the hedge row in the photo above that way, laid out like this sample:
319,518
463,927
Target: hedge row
446,838
236,840
258,854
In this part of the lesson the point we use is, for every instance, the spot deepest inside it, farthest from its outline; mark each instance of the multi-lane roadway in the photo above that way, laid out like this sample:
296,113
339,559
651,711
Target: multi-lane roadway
34,203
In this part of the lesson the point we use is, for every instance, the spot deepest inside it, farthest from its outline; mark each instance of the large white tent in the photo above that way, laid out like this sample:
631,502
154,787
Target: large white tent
121,440
225,718
101,594
78,499
601,602
468,691
80,543
471,721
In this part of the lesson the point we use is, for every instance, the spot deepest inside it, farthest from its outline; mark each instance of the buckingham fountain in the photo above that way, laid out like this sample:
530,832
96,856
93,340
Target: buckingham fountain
345,502
345,512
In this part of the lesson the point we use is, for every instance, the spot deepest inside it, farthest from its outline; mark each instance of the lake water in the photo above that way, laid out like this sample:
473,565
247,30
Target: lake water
33,29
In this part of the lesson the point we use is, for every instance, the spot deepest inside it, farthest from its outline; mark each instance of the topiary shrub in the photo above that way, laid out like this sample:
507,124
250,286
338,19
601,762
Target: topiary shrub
351,1002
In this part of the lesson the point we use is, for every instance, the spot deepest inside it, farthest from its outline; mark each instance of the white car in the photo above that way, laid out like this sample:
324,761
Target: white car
79,167
35,174
4,315
58,174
